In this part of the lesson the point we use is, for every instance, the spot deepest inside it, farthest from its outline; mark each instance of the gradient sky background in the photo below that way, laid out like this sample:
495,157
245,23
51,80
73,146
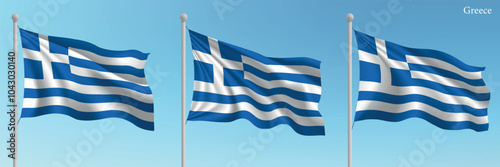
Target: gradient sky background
291,28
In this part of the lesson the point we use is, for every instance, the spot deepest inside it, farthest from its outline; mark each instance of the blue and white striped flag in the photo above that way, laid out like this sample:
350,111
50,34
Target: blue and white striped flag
233,83
81,80
397,83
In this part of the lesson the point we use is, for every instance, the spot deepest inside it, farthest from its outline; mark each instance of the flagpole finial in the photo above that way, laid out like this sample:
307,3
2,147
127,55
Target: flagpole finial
184,17
15,17
350,17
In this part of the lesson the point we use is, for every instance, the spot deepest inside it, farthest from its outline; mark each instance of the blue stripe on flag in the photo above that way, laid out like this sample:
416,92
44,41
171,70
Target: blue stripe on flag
397,117
221,117
224,99
299,61
56,109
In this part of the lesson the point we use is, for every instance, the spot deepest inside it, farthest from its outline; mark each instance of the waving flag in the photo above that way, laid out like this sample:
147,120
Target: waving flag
397,83
233,83
81,80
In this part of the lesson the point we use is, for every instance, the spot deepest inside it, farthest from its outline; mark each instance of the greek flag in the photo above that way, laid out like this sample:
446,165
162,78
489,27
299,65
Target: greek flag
397,83
233,83
81,80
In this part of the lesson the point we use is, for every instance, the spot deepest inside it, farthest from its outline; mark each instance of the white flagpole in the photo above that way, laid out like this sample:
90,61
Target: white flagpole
15,17
183,117
349,17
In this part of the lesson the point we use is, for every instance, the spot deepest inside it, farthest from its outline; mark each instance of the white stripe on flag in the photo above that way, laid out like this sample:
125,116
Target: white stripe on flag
118,61
86,72
400,108
291,69
87,107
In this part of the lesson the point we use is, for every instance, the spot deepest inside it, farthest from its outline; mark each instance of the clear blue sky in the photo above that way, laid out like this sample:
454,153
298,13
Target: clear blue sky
292,28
